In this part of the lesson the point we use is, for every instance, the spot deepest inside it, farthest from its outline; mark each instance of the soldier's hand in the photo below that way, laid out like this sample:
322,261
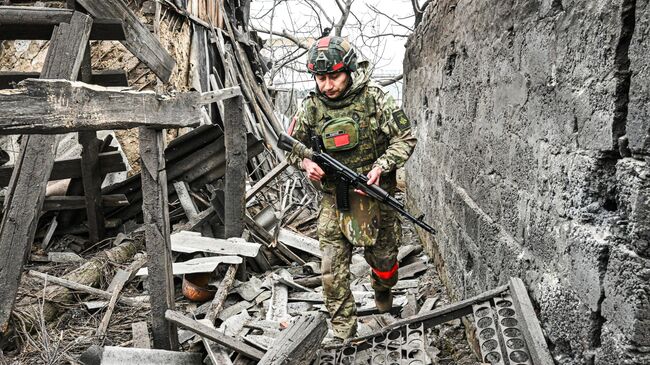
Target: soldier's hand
314,172
373,178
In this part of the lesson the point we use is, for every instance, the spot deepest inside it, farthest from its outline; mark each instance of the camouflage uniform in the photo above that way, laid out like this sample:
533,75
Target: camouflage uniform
385,141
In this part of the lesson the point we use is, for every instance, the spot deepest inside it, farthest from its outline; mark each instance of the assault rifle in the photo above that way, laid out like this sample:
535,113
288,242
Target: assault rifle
347,178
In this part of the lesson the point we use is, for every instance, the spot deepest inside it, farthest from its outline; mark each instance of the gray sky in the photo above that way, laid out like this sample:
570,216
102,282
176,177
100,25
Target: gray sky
296,17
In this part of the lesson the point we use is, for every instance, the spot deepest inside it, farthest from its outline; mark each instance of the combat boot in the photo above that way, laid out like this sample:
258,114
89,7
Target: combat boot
384,300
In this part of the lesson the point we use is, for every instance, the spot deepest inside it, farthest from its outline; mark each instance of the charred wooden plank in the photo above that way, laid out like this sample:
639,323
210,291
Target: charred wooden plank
298,344
71,168
78,202
236,172
76,187
8,79
60,106
33,23
26,191
92,179
139,40
156,225
213,335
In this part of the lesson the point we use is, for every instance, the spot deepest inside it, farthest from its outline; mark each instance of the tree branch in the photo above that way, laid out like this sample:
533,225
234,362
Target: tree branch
391,80
320,7
340,5
419,10
285,63
386,34
389,17
284,34
338,28
416,6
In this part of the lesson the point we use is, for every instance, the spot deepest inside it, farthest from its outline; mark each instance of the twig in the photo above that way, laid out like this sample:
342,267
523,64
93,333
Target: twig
391,80
119,280
389,17
284,34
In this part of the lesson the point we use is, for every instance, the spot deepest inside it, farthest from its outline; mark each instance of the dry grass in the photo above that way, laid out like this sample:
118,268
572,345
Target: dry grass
63,340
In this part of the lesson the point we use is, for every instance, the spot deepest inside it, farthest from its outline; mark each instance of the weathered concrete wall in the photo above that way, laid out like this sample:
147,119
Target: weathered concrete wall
533,121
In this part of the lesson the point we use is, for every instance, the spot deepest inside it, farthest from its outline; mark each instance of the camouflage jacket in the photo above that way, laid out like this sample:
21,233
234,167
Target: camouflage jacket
387,125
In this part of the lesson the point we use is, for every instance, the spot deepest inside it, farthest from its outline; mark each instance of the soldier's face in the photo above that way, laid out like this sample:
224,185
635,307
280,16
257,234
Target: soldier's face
332,85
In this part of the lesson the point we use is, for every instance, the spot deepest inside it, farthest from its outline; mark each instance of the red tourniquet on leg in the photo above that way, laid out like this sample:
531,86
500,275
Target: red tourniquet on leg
385,275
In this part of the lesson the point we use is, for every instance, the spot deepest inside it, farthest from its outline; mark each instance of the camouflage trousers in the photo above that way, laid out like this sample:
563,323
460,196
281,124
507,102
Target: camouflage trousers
335,266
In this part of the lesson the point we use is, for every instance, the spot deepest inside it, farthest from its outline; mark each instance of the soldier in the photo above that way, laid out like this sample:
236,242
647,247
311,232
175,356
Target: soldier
358,124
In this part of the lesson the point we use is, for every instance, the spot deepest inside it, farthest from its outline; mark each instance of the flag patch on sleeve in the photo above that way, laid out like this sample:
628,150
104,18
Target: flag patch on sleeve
402,121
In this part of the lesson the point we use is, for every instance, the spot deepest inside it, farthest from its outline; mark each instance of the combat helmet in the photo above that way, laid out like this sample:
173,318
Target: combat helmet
331,54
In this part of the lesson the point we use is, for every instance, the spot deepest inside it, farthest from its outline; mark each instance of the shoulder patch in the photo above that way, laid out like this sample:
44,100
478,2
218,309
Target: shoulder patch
401,120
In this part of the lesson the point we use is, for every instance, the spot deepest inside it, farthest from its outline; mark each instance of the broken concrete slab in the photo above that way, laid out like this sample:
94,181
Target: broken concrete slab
300,242
249,290
112,355
140,335
198,265
279,299
190,242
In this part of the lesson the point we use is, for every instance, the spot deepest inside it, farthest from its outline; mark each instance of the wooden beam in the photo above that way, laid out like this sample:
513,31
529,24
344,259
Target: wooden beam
26,191
83,288
236,172
220,297
139,40
92,179
531,329
299,344
277,170
78,202
90,169
61,106
71,168
107,78
214,335
156,225
33,23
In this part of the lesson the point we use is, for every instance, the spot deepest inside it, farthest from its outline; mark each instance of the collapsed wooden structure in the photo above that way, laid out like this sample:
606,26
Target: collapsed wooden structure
39,107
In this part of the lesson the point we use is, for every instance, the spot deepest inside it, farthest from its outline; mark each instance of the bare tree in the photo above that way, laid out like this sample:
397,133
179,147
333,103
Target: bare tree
419,10
336,17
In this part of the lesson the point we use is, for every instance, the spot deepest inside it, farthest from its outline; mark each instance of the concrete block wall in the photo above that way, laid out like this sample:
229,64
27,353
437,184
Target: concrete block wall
533,126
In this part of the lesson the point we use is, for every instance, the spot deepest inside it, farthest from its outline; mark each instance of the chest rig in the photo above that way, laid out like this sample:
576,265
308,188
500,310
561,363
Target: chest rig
349,131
